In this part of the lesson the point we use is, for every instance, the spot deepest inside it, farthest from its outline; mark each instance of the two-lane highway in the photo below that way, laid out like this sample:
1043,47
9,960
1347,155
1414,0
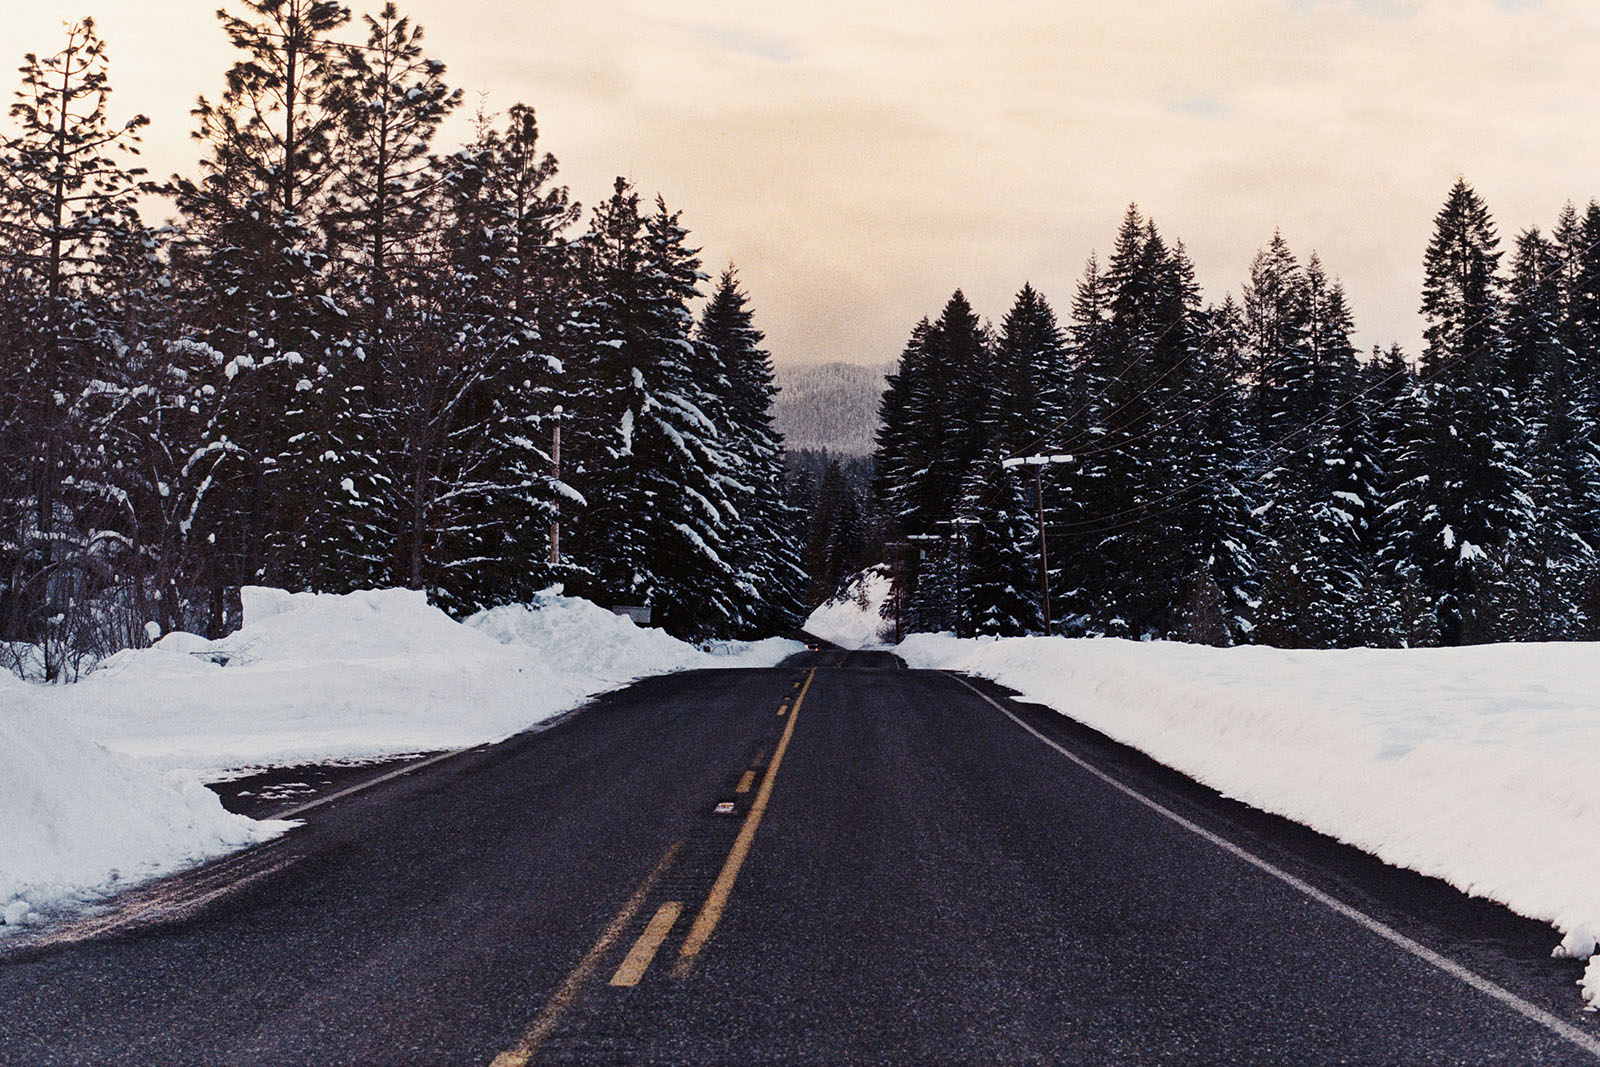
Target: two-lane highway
837,861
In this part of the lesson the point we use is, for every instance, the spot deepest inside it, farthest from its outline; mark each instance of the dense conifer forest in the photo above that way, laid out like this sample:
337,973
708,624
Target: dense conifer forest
347,358
1238,472
344,362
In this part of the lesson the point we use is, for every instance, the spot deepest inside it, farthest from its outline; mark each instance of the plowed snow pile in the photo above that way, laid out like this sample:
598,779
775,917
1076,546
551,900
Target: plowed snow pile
1474,765
100,781
315,676
76,819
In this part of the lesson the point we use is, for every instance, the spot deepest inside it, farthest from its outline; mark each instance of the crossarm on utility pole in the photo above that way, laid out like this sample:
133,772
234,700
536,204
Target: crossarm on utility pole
1039,463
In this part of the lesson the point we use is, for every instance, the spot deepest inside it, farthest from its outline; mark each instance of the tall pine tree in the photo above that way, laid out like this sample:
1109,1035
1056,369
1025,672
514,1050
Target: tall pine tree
763,544
1461,496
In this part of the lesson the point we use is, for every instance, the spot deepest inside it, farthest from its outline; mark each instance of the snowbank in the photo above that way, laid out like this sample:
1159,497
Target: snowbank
100,782
77,820
580,640
315,676
1474,765
854,619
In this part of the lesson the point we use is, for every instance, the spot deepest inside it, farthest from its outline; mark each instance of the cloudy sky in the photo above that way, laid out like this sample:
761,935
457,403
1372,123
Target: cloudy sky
859,160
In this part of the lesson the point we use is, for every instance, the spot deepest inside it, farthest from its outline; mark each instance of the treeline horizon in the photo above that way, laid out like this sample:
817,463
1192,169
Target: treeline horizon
344,362
1239,474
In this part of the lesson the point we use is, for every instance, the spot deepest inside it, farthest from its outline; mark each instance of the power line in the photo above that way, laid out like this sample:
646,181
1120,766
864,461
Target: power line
1147,349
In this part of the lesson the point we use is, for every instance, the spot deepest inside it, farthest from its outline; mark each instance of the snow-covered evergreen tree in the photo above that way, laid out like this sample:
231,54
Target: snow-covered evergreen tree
948,413
899,437
763,547
72,250
382,221
1001,544
938,418
1070,491
1314,513
257,300
1577,241
1354,455
1031,377
653,463
1222,521
835,537
1460,493
1547,567
1144,459
472,377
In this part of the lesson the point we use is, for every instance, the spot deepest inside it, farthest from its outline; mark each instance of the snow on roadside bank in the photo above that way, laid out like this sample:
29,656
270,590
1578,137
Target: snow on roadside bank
314,677
1473,765
580,639
77,820
101,780
854,618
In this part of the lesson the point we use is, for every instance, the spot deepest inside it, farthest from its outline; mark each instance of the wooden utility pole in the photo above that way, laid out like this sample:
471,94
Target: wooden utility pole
555,472
958,527
1039,463
1044,552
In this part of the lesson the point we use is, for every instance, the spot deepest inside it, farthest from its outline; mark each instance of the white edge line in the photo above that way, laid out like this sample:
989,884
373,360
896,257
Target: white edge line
1588,1042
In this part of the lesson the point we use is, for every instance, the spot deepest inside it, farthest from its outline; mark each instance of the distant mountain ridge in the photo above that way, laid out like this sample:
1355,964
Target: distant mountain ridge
832,406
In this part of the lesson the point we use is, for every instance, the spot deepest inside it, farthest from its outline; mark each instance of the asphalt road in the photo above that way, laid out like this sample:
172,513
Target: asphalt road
901,874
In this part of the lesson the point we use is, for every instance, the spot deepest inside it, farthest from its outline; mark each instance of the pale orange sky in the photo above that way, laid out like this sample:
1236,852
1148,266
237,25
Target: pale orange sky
860,160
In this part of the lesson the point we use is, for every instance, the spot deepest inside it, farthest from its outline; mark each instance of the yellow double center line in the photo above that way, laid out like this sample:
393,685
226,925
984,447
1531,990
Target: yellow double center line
644,950
705,923
564,997
631,972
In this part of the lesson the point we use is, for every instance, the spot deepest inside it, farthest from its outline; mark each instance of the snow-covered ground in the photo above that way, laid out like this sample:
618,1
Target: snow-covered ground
1474,765
313,677
100,781
77,820
854,618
